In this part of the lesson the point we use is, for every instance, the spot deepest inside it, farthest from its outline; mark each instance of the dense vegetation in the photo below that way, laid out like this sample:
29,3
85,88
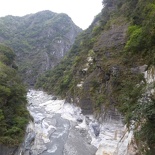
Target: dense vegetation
13,112
107,71
39,40
140,49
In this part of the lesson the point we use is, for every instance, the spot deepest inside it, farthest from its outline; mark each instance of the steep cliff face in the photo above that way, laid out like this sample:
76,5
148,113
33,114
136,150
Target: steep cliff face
8,150
94,63
104,71
39,40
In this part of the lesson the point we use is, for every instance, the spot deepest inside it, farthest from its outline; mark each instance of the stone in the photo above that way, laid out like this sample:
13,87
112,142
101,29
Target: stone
49,36
29,139
4,150
86,106
96,129
139,69
79,120
54,98
101,151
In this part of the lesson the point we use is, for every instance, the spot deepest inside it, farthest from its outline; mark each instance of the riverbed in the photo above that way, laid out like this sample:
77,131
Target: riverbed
59,128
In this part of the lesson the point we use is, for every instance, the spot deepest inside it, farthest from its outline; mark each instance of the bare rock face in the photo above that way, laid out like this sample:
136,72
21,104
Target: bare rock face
8,150
106,72
127,145
112,38
86,106
39,40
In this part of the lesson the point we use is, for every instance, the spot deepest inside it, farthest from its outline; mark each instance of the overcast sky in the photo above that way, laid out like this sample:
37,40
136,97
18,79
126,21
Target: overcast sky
82,12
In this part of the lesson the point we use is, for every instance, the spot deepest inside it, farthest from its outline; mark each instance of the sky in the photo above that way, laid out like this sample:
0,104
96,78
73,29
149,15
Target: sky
82,12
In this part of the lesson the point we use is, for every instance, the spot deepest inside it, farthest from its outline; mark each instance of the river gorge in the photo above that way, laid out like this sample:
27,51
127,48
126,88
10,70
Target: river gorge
59,128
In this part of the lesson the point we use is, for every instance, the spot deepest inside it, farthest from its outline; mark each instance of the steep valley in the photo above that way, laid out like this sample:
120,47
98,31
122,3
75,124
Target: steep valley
102,80
39,40
104,71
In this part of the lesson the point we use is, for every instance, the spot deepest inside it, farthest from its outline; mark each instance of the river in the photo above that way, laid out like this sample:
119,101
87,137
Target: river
59,128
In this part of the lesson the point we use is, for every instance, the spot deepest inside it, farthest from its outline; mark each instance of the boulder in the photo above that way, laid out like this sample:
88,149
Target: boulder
96,129
54,98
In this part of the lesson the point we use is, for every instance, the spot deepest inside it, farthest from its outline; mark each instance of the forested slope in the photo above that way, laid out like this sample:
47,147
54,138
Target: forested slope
105,68
13,113
39,40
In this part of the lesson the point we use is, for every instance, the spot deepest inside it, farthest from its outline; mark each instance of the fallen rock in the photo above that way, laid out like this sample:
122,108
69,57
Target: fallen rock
96,129
54,98
79,120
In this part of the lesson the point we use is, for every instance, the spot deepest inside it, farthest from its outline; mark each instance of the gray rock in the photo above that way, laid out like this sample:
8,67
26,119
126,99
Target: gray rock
79,120
139,69
83,132
29,139
43,38
54,98
5,150
86,106
96,129
78,143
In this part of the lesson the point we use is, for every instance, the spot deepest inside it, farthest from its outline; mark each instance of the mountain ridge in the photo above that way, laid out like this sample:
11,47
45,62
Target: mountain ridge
39,40
105,71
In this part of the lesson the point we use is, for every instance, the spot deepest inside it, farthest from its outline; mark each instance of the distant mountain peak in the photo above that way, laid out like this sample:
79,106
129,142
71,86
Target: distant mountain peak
34,38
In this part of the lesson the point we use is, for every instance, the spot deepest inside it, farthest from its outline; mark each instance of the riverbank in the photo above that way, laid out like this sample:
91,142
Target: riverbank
60,128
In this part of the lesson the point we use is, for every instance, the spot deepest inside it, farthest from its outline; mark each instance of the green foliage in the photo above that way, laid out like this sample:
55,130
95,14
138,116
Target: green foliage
135,104
65,81
126,90
6,56
13,112
134,44
96,30
142,34
35,37
60,79
139,110
100,100
1,115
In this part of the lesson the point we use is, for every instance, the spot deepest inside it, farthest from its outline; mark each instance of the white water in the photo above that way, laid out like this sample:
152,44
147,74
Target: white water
59,128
